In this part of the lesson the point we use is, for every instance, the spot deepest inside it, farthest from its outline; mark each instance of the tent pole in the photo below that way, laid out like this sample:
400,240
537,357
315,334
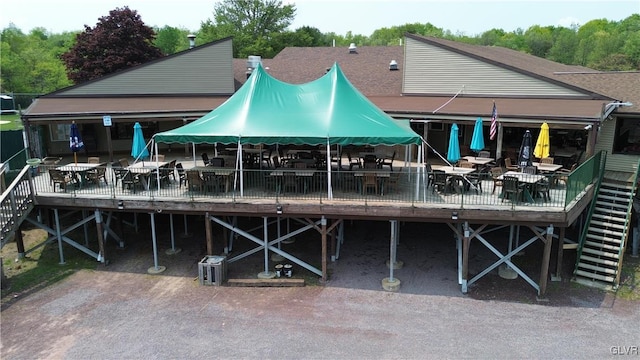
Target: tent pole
193,149
241,169
157,166
329,190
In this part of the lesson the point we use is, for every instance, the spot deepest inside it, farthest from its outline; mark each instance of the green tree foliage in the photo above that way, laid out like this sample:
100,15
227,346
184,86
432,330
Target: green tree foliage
30,62
118,41
171,40
252,23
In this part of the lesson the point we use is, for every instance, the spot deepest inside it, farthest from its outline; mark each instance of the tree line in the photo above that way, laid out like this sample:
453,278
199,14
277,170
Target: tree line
40,62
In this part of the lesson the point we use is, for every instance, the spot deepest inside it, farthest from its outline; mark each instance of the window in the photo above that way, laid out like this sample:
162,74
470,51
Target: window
60,132
124,131
627,137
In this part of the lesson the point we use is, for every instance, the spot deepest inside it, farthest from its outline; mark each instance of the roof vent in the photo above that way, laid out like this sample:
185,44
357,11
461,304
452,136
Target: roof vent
253,61
192,41
327,70
352,48
393,65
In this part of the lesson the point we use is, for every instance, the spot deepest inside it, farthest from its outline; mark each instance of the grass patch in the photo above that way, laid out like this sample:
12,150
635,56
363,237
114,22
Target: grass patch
41,267
629,288
10,122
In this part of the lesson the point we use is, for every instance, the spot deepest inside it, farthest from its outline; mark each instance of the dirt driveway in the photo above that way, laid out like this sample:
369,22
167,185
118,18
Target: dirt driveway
121,312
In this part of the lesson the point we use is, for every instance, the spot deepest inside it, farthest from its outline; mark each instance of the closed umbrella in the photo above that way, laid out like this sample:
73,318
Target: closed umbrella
139,147
75,141
453,153
524,157
477,141
542,144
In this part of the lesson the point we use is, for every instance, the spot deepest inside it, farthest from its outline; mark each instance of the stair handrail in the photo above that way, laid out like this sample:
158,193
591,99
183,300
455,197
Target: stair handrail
592,206
19,206
627,220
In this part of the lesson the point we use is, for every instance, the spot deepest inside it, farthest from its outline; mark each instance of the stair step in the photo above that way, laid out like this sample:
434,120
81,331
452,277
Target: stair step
597,268
610,233
610,212
607,224
609,217
604,238
617,186
611,248
600,253
598,260
589,275
571,246
606,204
594,283
621,193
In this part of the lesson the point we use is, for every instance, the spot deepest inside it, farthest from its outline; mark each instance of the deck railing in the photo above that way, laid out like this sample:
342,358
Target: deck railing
408,186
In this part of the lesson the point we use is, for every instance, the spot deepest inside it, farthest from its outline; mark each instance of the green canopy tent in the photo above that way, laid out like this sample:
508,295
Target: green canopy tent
327,111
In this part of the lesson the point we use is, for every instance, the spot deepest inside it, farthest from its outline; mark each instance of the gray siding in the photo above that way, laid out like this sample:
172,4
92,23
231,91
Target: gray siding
206,70
432,70
615,162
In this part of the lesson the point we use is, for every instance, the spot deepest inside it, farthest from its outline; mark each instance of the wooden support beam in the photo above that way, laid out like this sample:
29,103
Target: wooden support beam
466,242
323,223
558,276
546,255
208,233
102,254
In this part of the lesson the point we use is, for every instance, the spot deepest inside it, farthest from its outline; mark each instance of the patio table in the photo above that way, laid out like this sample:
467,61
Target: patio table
78,170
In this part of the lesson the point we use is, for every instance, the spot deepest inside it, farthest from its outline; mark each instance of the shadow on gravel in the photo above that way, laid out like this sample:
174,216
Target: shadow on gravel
427,251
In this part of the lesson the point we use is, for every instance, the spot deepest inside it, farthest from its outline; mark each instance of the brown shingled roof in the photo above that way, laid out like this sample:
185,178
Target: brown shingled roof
368,69
620,85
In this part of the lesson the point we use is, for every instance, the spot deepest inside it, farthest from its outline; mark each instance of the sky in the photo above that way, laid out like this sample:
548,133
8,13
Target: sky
469,17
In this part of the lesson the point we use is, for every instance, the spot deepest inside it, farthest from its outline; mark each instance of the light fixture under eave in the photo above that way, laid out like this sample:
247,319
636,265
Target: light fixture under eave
610,107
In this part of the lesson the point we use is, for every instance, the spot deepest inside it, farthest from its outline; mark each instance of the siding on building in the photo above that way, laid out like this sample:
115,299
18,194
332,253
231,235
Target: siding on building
615,162
205,70
432,70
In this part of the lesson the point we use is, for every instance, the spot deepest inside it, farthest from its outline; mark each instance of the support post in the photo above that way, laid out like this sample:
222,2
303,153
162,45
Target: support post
208,233
102,252
155,269
20,243
546,255
391,283
466,242
266,274
558,276
323,224
173,249
59,235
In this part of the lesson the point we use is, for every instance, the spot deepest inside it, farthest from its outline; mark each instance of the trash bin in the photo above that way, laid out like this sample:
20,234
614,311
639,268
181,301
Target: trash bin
34,163
212,270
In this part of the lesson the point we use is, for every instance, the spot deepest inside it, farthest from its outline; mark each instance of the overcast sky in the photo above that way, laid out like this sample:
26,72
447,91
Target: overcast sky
339,16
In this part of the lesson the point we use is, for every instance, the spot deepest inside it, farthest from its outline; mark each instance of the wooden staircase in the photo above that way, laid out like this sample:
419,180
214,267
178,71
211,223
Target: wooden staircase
15,205
601,249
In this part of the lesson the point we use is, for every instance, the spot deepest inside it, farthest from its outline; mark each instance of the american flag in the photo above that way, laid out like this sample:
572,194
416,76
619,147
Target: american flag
493,130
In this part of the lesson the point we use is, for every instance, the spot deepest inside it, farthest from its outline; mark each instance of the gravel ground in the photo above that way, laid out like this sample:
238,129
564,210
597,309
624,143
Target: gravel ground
121,312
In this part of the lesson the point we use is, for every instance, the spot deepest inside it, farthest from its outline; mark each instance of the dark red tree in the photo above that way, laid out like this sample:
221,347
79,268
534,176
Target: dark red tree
118,41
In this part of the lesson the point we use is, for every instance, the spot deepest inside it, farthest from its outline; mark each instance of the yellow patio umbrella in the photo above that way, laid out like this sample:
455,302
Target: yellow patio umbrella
542,145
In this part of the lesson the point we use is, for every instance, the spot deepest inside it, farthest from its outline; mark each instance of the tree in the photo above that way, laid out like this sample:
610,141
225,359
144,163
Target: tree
118,41
252,23
170,40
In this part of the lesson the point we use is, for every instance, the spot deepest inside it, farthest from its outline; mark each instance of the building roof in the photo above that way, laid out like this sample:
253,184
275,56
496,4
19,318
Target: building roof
621,85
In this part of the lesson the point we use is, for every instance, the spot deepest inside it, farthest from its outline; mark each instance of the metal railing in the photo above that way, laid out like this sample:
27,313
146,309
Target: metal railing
404,186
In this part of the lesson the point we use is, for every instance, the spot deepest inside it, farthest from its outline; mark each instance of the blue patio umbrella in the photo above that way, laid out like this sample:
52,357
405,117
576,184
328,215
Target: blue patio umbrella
526,150
139,147
75,141
453,153
477,141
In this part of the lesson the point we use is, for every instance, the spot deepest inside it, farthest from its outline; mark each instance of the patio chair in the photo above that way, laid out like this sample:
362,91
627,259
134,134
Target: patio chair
205,159
170,169
542,189
388,161
429,171
182,176
212,182
195,181
440,181
563,174
531,170
369,181
391,184
124,162
159,157
276,162
496,172
93,160
353,161
473,180
512,189
265,158
216,162
484,154
129,180
546,160
289,181
509,165
60,178
94,175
